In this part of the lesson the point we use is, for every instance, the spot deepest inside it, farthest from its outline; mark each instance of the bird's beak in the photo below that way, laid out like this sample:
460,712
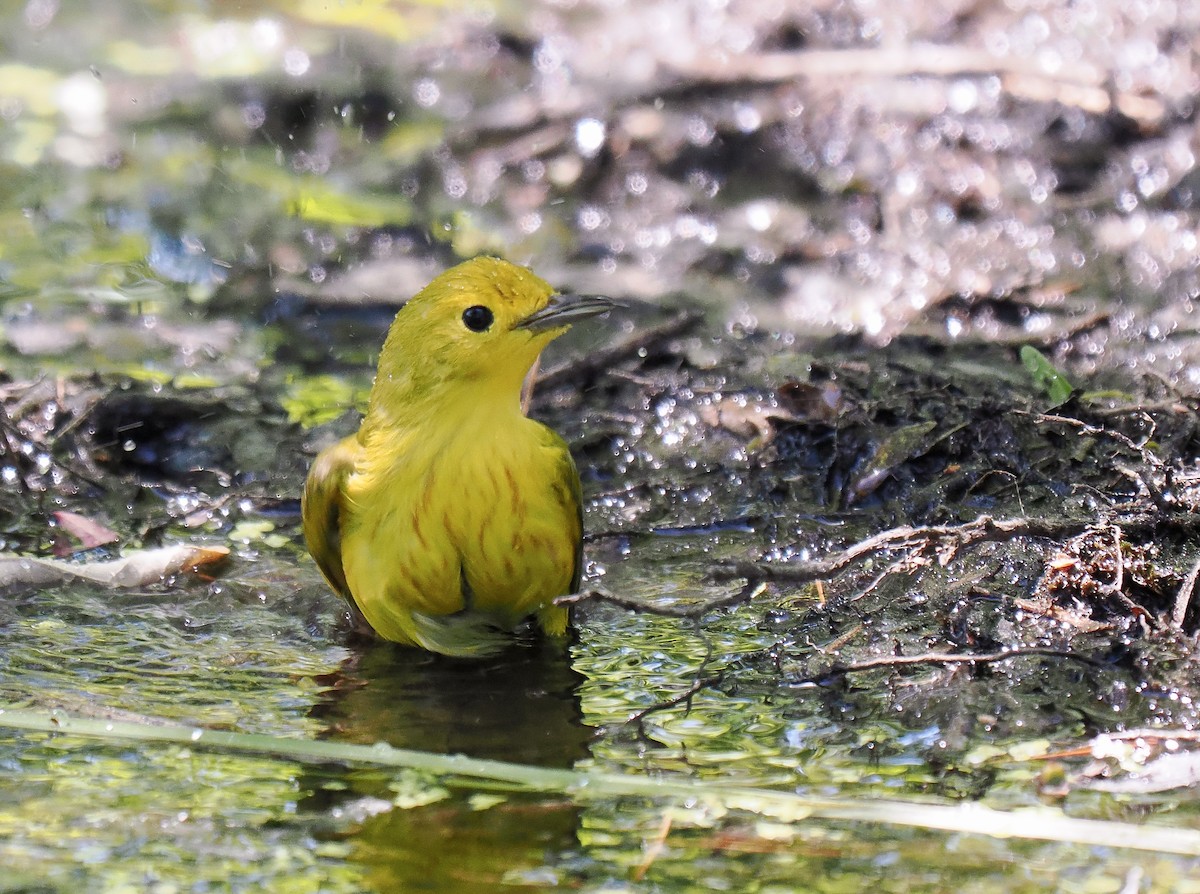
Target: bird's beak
563,310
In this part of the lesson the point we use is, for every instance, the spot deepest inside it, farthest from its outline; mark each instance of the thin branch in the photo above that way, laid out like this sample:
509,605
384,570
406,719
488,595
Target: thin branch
904,537
929,658
653,848
1157,496
1153,491
1175,735
1080,85
698,685
1117,588
837,642
1118,584
747,593
1183,599
942,60
10,450
9,427
1070,328
895,567
1173,405
1094,431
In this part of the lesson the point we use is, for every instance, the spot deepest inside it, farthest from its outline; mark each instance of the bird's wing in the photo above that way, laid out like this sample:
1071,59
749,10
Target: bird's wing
321,509
577,497
565,479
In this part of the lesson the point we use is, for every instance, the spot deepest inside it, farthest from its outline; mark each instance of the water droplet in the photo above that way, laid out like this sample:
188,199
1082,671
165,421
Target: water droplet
427,92
40,13
455,184
699,131
266,34
963,96
760,215
590,134
592,217
747,118
296,62
254,115
547,57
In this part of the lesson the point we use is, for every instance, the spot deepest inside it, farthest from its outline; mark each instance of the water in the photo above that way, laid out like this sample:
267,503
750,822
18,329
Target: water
205,228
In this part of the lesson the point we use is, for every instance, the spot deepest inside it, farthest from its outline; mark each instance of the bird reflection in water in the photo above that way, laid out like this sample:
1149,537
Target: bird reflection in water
520,706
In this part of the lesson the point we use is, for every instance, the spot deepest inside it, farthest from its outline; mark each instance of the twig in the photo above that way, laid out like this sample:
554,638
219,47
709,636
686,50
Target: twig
1157,496
598,361
1183,598
894,567
698,685
905,537
81,417
1070,328
1117,588
1078,85
945,658
10,450
1118,584
1153,491
654,848
837,642
902,61
1173,405
1085,428
747,593
8,426
1175,735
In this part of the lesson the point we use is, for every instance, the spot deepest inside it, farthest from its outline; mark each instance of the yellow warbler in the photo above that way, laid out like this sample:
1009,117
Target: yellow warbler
450,515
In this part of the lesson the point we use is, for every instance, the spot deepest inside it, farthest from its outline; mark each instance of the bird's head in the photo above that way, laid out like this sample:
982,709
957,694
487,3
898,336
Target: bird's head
481,325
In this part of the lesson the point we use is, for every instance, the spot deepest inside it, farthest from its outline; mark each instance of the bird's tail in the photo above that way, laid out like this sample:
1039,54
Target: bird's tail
468,634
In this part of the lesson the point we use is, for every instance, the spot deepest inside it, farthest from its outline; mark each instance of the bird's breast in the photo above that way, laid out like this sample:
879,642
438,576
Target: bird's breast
482,522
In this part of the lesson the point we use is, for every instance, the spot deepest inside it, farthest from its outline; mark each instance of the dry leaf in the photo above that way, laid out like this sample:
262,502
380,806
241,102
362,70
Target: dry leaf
90,534
137,569
818,403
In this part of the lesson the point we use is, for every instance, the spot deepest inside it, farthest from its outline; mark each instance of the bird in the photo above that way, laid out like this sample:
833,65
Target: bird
450,516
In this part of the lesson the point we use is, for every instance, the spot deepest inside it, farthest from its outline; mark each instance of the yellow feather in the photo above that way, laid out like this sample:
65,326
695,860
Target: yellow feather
450,515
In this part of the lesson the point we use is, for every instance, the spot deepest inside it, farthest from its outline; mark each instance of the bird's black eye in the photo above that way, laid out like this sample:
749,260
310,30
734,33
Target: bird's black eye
478,318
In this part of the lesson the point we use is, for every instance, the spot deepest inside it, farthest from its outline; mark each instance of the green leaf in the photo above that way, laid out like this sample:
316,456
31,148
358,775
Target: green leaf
315,400
1045,376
